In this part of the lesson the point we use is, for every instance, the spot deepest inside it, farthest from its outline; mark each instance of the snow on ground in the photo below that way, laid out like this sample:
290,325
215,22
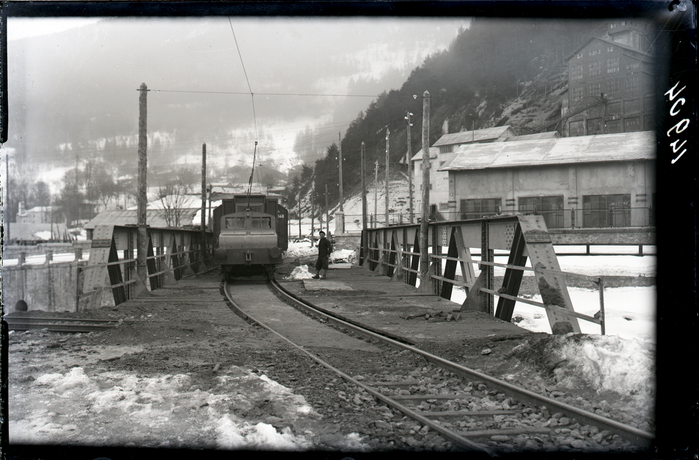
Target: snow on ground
167,407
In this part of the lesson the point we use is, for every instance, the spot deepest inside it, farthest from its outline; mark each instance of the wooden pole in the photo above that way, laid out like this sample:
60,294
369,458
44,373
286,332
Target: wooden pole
376,194
203,202
408,161
364,252
141,268
388,133
364,191
327,208
339,144
425,285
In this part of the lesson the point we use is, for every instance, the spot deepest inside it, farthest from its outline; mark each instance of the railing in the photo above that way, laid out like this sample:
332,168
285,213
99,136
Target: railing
597,281
394,251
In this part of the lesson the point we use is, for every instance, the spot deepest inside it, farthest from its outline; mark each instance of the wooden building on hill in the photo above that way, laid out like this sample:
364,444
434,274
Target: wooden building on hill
611,82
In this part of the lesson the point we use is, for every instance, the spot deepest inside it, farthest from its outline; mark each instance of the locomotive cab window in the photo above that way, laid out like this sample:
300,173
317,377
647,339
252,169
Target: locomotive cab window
233,223
261,222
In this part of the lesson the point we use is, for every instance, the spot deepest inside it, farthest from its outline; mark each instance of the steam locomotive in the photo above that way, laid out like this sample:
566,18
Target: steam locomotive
251,234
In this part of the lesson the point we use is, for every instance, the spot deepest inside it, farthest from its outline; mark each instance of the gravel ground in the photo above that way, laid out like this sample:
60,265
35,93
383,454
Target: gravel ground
206,349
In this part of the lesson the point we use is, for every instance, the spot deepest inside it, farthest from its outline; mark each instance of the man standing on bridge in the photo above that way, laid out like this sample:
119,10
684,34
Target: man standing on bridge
324,250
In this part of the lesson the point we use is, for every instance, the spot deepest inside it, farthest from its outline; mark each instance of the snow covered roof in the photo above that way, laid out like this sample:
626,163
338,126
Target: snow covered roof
538,152
155,218
468,137
479,135
434,152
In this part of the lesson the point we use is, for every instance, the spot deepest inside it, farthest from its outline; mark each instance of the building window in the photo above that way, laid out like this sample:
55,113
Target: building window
594,89
610,49
614,108
613,88
632,85
633,66
649,103
633,105
579,56
578,93
613,126
612,65
594,52
648,122
551,207
632,124
594,68
446,148
475,209
606,210
576,128
594,126
576,72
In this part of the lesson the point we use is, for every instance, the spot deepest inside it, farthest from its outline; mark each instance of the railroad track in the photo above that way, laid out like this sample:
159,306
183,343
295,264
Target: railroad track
55,324
511,411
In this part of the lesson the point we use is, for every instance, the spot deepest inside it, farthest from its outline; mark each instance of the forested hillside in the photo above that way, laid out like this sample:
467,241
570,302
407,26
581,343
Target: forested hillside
494,73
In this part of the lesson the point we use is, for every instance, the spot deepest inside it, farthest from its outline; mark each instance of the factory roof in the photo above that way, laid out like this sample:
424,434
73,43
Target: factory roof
540,152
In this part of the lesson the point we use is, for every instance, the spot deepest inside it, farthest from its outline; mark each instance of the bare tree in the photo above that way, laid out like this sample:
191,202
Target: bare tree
172,197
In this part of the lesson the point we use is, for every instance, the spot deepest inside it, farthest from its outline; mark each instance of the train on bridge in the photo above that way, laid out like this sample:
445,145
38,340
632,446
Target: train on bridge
250,235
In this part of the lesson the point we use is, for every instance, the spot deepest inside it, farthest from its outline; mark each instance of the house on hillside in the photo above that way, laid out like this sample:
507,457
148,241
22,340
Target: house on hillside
611,82
39,215
605,180
442,152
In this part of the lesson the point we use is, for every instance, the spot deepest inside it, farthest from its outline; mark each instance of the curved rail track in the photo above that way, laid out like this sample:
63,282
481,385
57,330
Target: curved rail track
435,419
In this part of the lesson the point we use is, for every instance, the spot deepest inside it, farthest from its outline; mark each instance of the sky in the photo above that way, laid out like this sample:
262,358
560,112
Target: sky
72,76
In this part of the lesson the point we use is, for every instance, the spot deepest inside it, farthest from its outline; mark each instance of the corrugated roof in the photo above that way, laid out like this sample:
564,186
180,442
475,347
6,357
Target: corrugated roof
565,150
478,135
155,218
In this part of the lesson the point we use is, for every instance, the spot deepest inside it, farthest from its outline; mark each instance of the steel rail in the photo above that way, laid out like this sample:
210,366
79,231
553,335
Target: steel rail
455,437
638,437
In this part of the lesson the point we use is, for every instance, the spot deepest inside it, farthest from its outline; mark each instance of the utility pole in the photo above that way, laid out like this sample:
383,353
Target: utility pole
203,201
424,223
298,201
409,155
339,135
141,267
376,193
364,191
388,133
6,207
364,251
327,209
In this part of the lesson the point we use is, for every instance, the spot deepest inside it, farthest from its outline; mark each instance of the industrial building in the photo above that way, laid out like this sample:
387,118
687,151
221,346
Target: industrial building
606,180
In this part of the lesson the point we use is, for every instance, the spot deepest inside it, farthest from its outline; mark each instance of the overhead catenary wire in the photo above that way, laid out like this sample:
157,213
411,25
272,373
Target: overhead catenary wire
245,72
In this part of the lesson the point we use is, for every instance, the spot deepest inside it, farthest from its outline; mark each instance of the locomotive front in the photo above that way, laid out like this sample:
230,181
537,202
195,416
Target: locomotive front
248,240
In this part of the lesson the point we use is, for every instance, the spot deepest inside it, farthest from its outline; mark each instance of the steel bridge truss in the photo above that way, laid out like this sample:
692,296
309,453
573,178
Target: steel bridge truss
395,252
172,254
